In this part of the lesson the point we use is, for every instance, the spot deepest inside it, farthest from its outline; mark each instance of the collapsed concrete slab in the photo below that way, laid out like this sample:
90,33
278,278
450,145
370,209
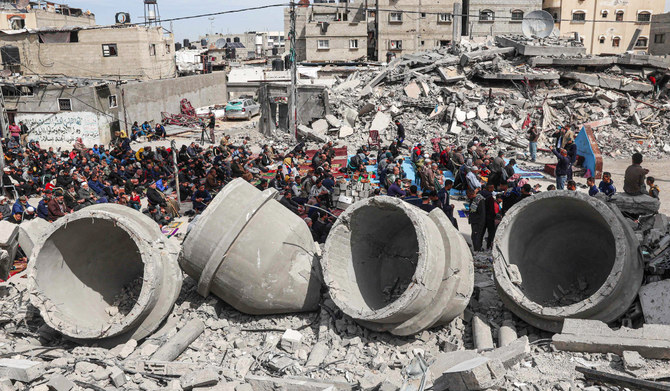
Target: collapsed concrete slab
639,204
264,383
105,271
253,253
9,234
579,259
655,301
592,336
393,267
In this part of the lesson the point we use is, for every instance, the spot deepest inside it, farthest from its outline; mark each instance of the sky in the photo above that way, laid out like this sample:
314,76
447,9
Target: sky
271,19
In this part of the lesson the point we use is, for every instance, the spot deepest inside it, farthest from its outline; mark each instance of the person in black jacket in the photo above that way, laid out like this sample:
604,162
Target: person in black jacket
477,218
562,167
154,196
321,227
571,149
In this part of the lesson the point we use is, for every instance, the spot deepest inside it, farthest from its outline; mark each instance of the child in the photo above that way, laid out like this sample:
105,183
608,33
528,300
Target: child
135,201
653,189
593,189
607,185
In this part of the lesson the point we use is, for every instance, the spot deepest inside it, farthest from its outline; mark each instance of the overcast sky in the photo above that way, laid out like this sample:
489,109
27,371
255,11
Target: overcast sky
261,20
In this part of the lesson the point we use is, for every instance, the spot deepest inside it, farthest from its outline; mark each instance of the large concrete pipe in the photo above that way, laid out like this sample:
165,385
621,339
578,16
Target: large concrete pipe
563,254
105,271
253,253
393,267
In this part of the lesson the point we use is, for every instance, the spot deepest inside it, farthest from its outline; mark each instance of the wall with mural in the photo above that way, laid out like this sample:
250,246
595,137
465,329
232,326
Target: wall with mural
62,129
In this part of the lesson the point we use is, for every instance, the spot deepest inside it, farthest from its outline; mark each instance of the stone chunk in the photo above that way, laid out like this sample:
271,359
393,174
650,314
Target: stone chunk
202,378
265,383
640,204
117,377
60,383
633,360
381,121
291,340
413,90
21,370
510,354
655,301
479,373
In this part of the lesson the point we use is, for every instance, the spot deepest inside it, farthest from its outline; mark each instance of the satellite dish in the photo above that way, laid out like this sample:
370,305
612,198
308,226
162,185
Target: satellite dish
220,43
537,24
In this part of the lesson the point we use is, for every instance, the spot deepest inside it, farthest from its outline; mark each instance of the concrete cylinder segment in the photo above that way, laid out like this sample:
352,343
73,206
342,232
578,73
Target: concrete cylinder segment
563,254
393,267
253,253
104,272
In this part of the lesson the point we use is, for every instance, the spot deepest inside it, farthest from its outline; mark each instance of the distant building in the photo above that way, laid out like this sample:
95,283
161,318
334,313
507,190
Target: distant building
243,46
345,31
17,15
659,35
120,52
605,27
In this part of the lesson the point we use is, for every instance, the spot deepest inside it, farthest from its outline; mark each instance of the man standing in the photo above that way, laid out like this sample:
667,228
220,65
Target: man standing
24,133
211,125
562,167
401,132
533,136
443,201
633,180
476,218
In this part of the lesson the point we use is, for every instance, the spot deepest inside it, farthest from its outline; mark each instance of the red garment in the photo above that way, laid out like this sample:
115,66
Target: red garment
652,79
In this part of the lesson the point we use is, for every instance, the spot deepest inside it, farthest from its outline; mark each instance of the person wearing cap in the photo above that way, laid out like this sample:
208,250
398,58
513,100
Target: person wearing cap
42,206
472,179
29,214
56,206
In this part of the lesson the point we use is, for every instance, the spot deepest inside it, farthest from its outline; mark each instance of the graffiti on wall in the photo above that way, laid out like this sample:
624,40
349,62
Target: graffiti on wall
62,129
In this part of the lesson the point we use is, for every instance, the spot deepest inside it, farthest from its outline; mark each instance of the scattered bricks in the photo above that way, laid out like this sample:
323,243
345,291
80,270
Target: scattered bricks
291,340
593,336
481,333
21,370
478,373
633,360
510,354
264,383
117,377
60,383
202,378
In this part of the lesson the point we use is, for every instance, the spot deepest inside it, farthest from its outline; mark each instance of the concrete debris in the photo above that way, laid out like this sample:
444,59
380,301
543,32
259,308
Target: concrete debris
180,341
655,302
262,383
201,378
20,370
60,383
582,335
291,340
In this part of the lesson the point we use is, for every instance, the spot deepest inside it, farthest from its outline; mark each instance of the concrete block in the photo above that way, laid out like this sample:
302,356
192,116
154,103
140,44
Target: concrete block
8,233
639,204
655,301
593,336
633,360
345,131
511,354
460,115
266,383
333,121
244,387
30,232
201,378
370,381
482,113
60,383
21,370
481,333
381,121
5,265
320,126
413,90
117,377
506,333
350,116
291,340
444,361
479,373
6,385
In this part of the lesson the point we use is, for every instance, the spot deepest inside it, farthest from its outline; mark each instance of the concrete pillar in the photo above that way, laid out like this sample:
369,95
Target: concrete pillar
562,254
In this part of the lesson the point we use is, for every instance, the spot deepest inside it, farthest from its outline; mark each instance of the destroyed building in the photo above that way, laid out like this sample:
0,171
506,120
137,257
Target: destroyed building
659,35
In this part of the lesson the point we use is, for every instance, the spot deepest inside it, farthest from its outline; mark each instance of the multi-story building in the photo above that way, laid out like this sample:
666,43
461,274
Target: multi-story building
659,35
248,45
344,31
23,14
605,26
120,52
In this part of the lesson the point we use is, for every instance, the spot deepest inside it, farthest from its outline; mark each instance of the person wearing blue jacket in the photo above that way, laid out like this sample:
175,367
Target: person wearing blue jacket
562,167
606,186
20,205
43,207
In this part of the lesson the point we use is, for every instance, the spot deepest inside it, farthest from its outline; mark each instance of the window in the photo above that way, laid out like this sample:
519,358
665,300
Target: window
659,38
64,104
152,49
642,42
167,48
616,41
109,50
444,18
17,23
423,14
517,16
395,17
353,44
602,39
323,44
644,17
619,16
604,13
486,16
444,43
112,102
395,44
17,91
579,16
423,43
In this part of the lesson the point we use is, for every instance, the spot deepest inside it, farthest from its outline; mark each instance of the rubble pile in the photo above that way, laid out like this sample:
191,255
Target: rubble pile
492,92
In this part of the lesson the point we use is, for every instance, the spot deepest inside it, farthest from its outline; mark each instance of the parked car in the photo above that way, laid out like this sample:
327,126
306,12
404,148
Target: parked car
242,108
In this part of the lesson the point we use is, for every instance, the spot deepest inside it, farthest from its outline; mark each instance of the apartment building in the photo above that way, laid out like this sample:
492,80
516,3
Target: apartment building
344,31
120,52
23,14
659,35
605,26
247,45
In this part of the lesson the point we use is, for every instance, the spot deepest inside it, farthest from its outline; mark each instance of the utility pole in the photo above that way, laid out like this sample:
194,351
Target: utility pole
173,146
293,110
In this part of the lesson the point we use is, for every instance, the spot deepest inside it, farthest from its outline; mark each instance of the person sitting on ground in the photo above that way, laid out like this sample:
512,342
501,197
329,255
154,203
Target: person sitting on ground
606,185
395,190
572,185
15,218
56,206
200,198
633,182
654,191
593,189
160,131
473,181
321,227
289,203
413,196
526,191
